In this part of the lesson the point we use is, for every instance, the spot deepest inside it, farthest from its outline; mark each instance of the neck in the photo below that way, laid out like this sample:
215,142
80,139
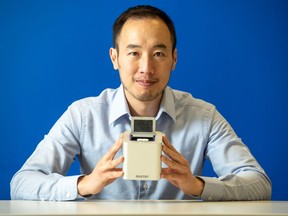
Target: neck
143,108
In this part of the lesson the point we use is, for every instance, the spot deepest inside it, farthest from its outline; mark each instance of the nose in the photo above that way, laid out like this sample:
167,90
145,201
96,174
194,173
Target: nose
146,65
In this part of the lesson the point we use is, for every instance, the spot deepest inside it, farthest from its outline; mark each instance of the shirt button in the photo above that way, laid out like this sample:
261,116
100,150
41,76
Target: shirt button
146,186
68,195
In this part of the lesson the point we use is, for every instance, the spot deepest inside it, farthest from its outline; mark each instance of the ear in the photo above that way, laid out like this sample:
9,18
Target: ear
174,59
113,57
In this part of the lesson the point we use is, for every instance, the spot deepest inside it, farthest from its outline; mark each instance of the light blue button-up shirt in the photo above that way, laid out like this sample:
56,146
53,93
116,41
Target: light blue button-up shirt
92,125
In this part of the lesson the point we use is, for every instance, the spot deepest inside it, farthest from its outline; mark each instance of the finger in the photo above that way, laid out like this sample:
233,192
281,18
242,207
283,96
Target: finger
173,167
172,178
171,164
169,149
114,149
167,143
117,161
118,169
111,165
114,175
174,155
110,177
167,171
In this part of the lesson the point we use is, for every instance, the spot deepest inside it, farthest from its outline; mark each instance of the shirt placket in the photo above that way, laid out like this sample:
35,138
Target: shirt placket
145,187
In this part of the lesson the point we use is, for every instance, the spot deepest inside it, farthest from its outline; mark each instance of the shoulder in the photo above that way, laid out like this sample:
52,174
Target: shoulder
186,100
103,99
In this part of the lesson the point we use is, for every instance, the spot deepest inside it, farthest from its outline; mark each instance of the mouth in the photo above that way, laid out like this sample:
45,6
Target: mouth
146,83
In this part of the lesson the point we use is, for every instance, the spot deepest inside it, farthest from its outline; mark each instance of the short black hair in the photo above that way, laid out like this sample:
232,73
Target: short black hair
140,12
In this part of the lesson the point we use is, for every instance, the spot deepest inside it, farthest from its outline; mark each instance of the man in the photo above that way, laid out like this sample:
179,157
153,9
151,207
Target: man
144,53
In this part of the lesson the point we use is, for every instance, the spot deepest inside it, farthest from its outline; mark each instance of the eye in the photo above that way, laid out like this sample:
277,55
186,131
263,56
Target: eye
133,54
159,54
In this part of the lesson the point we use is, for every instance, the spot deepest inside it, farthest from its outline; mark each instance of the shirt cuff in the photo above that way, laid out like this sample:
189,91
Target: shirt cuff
213,189
67,189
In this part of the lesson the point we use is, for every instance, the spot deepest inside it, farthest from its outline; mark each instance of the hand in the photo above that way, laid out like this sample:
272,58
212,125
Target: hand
178,171
104,173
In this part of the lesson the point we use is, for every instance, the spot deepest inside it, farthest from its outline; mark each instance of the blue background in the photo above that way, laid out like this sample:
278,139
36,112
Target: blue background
233,54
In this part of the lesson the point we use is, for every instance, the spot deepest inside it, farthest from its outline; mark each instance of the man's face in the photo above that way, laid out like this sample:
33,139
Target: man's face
144,58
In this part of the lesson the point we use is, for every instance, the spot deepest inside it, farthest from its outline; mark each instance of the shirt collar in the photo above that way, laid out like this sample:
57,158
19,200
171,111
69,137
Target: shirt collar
167,104
120,107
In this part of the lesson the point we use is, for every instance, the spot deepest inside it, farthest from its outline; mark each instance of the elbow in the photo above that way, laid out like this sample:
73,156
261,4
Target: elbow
268,189
17,187
13,188
262,190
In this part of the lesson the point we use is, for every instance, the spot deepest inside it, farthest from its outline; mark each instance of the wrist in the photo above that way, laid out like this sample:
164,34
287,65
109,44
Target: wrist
199,183
81,188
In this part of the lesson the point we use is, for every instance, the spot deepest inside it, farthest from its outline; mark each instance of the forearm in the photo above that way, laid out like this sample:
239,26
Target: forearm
33,185
248,185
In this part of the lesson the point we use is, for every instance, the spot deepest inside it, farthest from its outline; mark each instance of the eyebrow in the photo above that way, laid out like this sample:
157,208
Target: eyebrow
133,46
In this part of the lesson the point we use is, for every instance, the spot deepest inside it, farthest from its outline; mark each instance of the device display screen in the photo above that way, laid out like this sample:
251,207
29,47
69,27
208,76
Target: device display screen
143,126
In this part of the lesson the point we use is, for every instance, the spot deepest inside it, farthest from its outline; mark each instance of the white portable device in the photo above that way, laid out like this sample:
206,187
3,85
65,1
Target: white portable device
142,147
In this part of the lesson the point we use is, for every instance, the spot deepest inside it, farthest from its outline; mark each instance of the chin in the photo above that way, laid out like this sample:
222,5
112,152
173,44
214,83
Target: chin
148,97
